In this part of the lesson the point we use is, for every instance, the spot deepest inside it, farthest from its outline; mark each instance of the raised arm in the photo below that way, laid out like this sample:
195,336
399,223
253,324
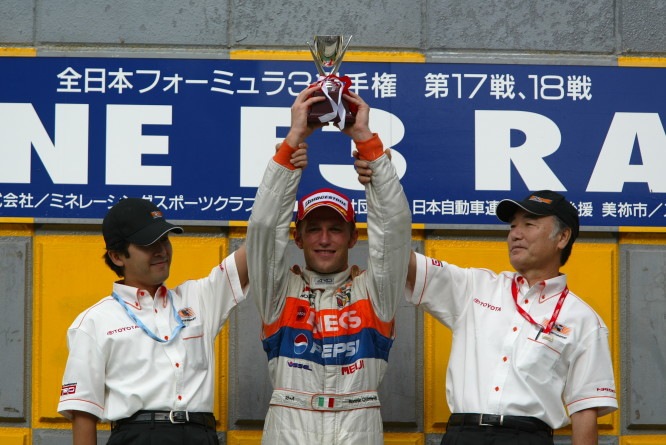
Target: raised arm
268,227
365,177
389,217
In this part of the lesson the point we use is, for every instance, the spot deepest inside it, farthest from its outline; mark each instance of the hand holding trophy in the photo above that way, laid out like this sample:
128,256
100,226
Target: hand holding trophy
328,51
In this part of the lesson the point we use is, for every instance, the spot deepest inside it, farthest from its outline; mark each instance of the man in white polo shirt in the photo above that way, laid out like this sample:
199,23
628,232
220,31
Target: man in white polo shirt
528,355
143,358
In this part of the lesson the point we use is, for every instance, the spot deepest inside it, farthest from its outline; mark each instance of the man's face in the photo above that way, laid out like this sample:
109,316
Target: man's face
532,248
146,267
325,238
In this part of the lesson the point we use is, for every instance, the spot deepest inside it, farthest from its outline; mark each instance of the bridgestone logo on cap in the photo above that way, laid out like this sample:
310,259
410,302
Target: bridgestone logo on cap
326,198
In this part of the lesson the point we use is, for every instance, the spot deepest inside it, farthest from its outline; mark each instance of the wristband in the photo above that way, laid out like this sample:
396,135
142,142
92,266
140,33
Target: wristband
283,156
371,149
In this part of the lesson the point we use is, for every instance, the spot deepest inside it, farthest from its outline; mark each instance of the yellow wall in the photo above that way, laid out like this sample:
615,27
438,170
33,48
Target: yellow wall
15,436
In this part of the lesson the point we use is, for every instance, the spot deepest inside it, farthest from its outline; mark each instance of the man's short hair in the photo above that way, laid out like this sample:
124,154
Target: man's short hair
566,252
121,248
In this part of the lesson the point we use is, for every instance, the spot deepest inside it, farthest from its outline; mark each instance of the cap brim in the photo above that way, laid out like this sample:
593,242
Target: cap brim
507,208
322,205
148,235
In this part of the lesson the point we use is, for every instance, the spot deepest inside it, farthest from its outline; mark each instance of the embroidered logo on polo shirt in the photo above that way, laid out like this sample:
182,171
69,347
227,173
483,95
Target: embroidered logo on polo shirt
187,314
67,389
487,305
123,329
559,329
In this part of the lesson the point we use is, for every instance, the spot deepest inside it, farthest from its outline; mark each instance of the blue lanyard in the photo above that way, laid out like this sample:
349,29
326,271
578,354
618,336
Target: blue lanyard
150,333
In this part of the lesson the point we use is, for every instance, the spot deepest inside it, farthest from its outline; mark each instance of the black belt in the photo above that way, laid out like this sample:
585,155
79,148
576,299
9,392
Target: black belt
175,417
523,423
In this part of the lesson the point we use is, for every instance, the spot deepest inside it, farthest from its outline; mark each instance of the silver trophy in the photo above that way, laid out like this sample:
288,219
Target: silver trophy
327,52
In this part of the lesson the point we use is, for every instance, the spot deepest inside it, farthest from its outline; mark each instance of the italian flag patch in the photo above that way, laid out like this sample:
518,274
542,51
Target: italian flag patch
326,402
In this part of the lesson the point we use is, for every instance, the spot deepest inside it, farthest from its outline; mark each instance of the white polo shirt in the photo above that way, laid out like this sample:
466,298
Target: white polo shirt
115,369
498,363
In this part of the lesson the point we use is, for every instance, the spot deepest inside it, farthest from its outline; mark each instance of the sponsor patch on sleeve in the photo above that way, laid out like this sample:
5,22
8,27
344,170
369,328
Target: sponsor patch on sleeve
68,389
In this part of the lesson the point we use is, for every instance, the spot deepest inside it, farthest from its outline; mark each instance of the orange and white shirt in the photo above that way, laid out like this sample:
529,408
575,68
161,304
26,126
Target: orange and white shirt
500,362
115,369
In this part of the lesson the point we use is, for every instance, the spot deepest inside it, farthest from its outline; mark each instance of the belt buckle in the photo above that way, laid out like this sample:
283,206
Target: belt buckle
501,422
179,416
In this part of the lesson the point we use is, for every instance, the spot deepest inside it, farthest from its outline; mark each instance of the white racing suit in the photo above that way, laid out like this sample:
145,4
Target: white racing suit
327,337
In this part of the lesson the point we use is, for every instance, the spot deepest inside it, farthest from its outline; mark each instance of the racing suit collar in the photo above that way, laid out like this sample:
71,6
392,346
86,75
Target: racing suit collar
325,281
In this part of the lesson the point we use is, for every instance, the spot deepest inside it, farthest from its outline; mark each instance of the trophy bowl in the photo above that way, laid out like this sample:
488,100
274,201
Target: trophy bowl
327,52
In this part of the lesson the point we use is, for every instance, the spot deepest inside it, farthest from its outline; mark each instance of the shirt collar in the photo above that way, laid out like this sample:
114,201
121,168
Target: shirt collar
547,288
136,297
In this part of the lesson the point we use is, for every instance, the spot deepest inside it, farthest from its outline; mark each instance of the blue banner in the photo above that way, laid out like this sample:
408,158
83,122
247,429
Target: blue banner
194,136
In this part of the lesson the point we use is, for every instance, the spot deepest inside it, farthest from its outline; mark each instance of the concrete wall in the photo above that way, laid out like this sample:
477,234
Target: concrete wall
626,283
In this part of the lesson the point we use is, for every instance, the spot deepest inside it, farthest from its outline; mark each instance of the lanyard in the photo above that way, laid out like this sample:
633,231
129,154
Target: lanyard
150,333
528,317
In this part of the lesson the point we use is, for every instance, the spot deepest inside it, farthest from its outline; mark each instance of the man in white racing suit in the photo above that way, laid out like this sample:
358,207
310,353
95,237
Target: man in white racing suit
328,328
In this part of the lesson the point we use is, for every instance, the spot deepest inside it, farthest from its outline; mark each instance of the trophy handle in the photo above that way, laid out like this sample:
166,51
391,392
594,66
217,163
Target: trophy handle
340,56
320,68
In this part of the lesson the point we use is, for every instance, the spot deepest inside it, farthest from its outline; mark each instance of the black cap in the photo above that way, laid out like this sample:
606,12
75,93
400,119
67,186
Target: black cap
543,202
137,221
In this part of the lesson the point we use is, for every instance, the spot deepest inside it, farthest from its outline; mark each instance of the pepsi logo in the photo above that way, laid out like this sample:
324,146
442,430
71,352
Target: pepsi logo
300,344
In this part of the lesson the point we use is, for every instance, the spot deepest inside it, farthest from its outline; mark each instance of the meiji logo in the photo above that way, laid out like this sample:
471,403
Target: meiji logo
606,390
299,366
539,199
156,214
68,389
436,262
487,305
352,368
335,349
300,344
